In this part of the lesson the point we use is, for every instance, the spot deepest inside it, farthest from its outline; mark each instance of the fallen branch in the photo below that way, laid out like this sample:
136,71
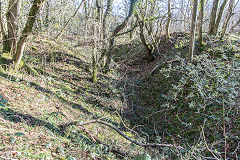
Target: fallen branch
96,140
117,130
158,66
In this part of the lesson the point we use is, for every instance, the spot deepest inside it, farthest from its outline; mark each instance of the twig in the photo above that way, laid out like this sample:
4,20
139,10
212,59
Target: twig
96,140
235,151
119,132
5,158
126,125
204,138
163,110
224,133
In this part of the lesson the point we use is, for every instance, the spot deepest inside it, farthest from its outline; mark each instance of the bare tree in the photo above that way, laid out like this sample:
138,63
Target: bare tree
168,21
192,33
70,19
228,17
220,13
3,31
27,30
12,25
212,22
115,32
200,22
105,17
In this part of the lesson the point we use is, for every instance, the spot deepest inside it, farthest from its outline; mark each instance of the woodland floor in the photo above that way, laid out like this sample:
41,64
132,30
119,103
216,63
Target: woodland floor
62,92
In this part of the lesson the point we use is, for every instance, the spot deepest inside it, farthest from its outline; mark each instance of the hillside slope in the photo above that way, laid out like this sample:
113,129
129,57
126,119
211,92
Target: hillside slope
61,92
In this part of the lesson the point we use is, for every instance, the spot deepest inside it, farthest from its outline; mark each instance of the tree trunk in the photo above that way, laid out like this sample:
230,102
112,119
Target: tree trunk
168,21
98,6
70,19
192,33
227,19
12,23
150,56
235,25
220,16
200,22
47,18
212,23
27,30
105,17
94,66
3,31
115,32
104,34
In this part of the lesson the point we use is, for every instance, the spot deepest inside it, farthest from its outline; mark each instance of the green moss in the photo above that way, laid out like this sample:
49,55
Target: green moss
5,58
2,70
30,70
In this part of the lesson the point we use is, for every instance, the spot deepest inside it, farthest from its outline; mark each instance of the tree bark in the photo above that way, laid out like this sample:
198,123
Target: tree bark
235,25
220,16
192,33
227,19
200,22
212,23
47,18
3,31
168,21
12,25
150,56
27,30
105,17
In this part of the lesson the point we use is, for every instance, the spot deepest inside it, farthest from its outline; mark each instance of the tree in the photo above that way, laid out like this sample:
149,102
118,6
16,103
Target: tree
227,19
235,25
212,22
192,33
27,31
115,32
150,56
69,20
200,22
12,16
3,31
168,21
219,16
105,17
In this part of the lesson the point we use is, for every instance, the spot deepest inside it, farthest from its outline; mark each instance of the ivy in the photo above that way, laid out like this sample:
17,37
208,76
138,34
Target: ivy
3,102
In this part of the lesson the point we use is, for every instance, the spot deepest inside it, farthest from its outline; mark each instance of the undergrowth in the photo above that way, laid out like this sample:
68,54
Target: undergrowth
192,105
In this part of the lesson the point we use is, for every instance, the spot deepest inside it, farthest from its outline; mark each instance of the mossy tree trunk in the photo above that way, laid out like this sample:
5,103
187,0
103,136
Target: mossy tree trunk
149,54
12,25
106,16
200,22
227,19
212,23
192,33
94,66
168,21
104,29
219,17
27,30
